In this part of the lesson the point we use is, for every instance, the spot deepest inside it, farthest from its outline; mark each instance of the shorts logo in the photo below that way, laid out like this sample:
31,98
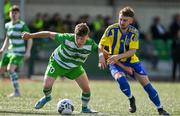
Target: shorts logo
141,72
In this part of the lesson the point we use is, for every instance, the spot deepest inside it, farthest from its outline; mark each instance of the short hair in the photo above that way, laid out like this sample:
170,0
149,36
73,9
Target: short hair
15,8
81,29
127,11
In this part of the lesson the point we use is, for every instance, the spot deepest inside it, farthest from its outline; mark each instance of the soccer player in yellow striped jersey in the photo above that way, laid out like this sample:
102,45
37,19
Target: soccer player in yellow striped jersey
122,39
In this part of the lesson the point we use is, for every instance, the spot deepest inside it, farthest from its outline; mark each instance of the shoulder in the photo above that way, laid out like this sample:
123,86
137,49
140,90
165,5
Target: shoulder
69,36
110,28
133,29
22,22
89,40
7,24
113,26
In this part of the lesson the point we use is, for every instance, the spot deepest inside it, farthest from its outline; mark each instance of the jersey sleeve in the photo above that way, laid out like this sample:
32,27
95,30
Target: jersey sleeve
134,42
6,27
105,40
94,47
25,28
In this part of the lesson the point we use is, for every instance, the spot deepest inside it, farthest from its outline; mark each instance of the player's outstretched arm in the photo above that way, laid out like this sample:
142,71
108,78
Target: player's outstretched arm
41,34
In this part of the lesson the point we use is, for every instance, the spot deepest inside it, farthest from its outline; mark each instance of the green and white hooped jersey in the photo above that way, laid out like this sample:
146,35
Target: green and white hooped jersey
16,43
68,55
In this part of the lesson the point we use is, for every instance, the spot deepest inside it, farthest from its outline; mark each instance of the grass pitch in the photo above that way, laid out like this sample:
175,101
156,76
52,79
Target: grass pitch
106,98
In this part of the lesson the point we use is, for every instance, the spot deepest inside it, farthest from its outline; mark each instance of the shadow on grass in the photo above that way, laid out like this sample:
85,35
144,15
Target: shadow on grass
50,113
29,113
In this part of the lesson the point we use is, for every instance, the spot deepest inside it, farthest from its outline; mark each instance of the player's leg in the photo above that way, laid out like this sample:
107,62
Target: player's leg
14,62
142,77
119,75
47,88
14,79
2,71
52,72
83,83
79,75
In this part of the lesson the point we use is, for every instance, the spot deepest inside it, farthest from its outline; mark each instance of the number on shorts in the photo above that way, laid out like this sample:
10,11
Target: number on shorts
52,69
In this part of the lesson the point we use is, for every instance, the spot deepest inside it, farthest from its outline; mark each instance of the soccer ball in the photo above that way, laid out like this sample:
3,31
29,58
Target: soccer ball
65,107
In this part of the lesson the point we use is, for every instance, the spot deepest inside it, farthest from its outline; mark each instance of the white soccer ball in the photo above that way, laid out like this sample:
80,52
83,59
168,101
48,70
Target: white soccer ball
65,107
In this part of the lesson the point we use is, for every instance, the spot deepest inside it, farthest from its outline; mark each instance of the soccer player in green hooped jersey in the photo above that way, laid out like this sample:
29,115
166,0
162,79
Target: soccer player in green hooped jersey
67,60
123,41
16,49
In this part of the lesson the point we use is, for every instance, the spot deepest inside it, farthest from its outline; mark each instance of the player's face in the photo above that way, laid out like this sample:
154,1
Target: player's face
124,21
81,40
14,15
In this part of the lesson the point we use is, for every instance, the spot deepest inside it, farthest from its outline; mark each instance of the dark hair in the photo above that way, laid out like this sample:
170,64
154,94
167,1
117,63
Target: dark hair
15,8
127,11
81,29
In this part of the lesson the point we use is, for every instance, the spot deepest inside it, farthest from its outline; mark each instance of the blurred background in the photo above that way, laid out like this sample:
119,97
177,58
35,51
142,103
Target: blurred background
157,20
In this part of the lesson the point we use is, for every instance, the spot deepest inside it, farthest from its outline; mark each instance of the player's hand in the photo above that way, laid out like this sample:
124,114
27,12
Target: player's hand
102,62
129,70
113,59
27,55
26,35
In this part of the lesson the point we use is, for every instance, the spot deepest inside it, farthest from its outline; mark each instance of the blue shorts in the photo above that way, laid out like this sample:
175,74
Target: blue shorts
138,68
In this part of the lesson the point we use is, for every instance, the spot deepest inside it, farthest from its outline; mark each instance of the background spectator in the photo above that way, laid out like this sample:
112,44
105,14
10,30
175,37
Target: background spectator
149,52
176,55
175,25
158,30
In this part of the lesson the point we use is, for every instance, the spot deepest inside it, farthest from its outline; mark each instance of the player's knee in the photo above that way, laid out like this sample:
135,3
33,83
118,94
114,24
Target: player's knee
121,80
143,79
119,75
9,70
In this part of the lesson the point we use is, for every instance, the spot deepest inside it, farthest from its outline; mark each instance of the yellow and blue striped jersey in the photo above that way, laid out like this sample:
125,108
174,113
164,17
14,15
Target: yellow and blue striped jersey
119,42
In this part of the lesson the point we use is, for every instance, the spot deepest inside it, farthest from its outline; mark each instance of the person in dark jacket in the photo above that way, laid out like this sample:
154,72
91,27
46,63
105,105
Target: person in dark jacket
176,55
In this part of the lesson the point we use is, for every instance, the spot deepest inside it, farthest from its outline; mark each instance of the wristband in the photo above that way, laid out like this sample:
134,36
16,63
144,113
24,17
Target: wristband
100,54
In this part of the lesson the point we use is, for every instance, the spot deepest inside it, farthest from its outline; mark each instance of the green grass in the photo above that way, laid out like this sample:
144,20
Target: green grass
106,98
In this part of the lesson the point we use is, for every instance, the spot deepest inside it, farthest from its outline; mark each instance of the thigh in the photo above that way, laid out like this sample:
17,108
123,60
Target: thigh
11,67
139,68
75,73
15,60
54,70
83,82
4,61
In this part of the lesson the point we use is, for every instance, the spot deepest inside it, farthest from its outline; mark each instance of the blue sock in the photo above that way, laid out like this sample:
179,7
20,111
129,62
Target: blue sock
153,95
124,86
14,79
